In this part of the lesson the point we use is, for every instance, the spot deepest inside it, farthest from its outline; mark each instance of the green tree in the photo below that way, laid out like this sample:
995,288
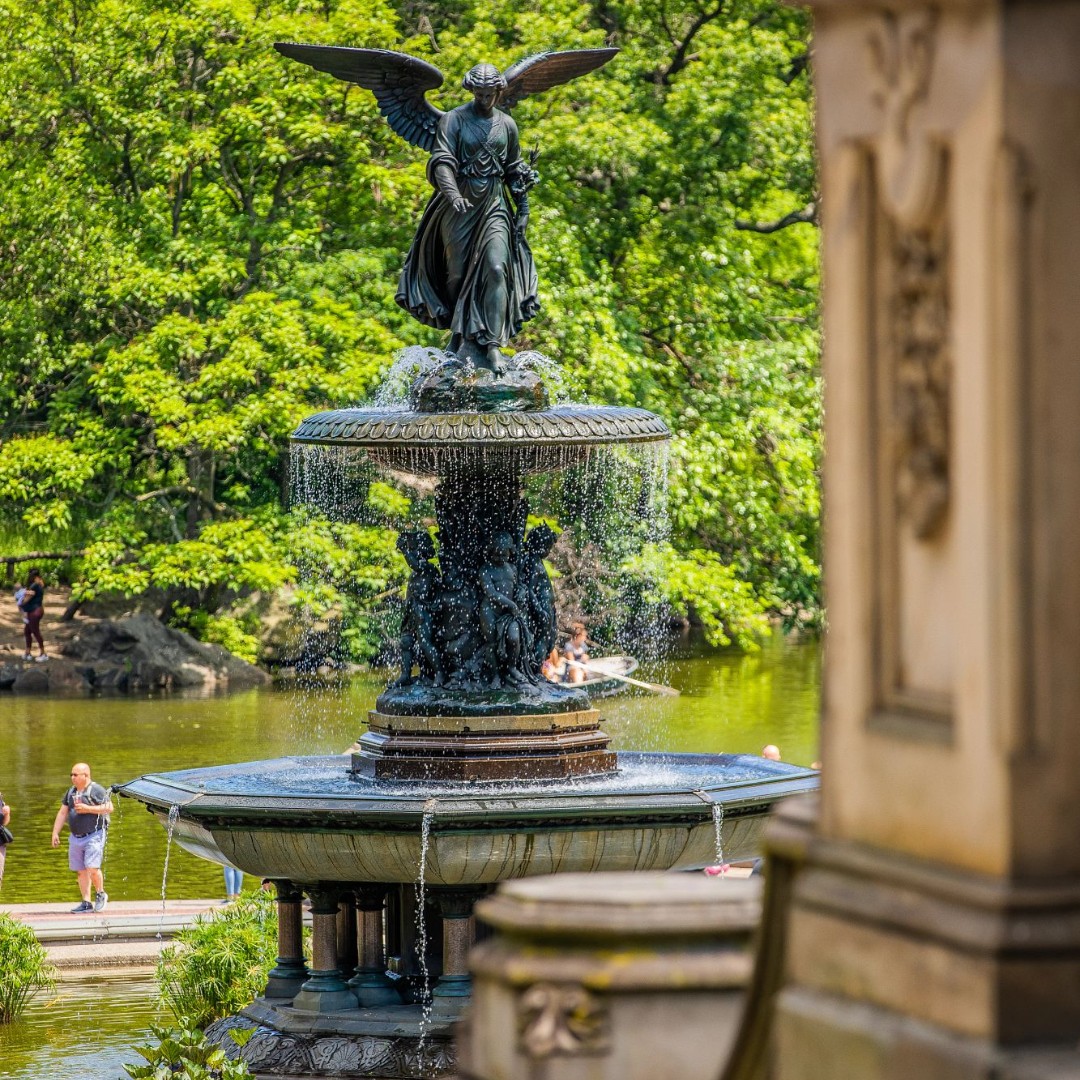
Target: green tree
201,244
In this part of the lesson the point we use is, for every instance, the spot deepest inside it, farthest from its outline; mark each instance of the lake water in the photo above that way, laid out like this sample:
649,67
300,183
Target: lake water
86,1031
730,702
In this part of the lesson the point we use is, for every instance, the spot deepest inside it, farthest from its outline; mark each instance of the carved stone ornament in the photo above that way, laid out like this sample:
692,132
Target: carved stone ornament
911,169
330,1056
911,159
560,1020
920,338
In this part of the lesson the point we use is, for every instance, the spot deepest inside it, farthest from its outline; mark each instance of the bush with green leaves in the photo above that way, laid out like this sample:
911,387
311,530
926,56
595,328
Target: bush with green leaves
220,963
185,1054
24,968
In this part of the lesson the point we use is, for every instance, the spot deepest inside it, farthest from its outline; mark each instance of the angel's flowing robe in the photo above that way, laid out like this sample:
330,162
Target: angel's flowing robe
464,271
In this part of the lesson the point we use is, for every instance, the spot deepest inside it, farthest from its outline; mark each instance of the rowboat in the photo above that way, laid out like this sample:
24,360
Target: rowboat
597,685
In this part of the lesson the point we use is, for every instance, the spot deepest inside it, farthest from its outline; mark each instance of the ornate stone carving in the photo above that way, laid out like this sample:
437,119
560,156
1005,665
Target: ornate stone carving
293,1054
560,1019
382,428
911,159
911,171
919,315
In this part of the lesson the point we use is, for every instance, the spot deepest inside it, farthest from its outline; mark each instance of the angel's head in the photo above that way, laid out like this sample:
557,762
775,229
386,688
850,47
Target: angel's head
486,83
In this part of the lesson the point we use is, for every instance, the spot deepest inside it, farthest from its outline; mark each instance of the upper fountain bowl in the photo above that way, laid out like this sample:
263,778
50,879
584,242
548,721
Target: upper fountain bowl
524,442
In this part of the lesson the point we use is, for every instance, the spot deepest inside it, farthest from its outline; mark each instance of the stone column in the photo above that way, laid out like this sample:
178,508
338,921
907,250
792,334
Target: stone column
325,990
936,925
370,983
290,972
347,954
452,991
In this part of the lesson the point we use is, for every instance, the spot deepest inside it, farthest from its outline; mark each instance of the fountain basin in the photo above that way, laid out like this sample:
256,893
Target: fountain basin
526,442
310,820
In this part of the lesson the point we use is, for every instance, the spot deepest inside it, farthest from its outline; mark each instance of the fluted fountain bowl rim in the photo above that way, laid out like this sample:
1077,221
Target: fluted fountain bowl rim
565,425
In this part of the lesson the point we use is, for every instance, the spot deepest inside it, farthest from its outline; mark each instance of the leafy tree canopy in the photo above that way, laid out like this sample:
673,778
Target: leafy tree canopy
200,241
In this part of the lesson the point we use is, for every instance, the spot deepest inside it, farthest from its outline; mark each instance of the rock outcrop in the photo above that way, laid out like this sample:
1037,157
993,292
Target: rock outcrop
134,654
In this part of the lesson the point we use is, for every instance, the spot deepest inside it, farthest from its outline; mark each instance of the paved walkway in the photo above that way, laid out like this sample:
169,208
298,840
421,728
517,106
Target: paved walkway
127,935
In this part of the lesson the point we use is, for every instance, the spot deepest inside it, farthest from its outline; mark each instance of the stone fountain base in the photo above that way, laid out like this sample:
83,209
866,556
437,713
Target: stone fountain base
390,1043
552,746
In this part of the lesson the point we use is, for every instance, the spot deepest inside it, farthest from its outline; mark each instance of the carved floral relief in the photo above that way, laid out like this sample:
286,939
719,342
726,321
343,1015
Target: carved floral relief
911,169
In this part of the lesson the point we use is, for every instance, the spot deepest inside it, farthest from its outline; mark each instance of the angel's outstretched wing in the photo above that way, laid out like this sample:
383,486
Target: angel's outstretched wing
399,83
542,71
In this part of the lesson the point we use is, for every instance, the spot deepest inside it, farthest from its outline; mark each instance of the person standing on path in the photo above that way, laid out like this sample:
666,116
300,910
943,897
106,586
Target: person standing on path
86,807
5,817
32,606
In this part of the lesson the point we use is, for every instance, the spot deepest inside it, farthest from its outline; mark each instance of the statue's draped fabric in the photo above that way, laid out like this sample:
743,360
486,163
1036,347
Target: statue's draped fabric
465,272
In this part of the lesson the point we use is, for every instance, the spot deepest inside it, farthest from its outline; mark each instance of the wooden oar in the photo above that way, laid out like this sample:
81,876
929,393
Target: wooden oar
603,673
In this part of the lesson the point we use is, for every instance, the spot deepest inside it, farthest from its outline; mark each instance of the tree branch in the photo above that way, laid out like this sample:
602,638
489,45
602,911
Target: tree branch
798,65
682,55
808,215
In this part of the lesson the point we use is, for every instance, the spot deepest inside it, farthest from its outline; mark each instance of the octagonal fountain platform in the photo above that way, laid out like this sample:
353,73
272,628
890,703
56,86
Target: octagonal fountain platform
310,819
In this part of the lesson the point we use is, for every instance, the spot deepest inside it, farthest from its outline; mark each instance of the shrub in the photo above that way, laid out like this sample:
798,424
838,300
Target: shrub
24,968
185,1054
220,963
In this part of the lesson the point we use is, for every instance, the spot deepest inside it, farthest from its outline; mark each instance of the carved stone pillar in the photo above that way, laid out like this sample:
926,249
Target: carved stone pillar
455,984
936,924
370,982
325,990
290,972
347,954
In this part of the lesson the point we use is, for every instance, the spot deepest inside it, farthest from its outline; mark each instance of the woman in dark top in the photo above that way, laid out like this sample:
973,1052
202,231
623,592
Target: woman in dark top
33,607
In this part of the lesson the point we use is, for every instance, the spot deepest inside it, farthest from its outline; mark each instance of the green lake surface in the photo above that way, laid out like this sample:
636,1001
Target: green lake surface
730,702
87,1030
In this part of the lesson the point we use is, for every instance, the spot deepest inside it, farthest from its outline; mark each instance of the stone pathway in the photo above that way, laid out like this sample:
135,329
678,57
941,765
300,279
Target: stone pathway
127,935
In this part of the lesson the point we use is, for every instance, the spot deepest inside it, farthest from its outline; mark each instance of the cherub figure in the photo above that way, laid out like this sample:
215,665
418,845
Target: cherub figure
421,602
469,269
503,624
457,625
538,593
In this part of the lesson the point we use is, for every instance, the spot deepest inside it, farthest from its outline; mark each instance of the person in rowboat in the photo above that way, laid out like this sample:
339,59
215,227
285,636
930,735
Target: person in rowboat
576,653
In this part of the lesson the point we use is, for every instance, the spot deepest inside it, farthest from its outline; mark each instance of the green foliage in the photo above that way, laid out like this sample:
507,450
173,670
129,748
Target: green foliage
703,584
219,964
24,968
201,246
184,1054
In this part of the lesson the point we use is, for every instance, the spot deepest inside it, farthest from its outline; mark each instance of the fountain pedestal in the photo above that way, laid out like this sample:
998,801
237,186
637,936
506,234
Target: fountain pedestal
543,746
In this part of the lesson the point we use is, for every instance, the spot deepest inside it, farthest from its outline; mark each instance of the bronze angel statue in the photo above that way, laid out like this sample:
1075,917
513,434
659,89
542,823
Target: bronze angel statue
469,270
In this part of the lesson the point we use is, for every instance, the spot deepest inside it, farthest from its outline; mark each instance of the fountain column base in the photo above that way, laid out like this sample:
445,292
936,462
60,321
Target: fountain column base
389,1043
325,991
535,746
290,972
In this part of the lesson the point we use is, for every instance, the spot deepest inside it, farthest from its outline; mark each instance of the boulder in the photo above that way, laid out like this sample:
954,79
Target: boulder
9,672
140,653
33,679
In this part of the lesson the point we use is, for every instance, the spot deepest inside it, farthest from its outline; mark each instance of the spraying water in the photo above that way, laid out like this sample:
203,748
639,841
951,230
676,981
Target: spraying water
718,827
174,814
421,919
